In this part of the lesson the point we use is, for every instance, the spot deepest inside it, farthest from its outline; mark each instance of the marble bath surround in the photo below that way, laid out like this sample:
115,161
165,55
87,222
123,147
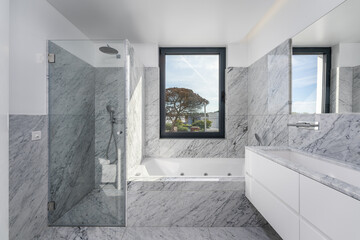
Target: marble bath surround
190,202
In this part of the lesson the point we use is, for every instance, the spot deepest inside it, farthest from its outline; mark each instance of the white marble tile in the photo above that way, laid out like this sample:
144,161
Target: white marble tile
193,148
337,138
28,180
152,91
236,91
279,77
236,133
356,90
191,208
248,233
341,89
272,129
178,233
258,87
102,207
76,233
152,135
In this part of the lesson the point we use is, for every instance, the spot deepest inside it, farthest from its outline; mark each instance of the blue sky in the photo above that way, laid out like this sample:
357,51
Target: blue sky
304,81
197,72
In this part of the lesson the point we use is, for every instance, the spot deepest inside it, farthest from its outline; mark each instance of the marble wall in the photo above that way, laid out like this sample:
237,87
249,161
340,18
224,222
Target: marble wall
235,129
268,97
135,111
72,130
338,137
356,90
341,84
28,176
109,90
175,203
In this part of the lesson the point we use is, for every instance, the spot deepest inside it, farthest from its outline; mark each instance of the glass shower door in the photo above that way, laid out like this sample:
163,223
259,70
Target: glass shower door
86,104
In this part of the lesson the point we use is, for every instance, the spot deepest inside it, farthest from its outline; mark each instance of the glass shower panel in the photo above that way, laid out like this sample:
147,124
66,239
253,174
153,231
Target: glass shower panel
86,84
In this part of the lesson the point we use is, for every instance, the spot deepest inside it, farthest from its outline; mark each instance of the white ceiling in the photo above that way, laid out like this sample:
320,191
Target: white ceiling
342,25
166,22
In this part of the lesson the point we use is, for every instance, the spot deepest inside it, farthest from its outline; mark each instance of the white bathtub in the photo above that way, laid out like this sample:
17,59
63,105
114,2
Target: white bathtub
190,167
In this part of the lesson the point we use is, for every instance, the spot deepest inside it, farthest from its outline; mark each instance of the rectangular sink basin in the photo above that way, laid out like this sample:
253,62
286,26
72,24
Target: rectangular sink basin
319,164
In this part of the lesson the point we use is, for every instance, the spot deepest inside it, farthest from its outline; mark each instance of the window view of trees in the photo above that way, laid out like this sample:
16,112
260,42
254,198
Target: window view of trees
183,111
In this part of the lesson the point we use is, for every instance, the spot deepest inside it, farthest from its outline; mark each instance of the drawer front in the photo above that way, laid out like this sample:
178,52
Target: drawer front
281,218
281,181
335,214
307,232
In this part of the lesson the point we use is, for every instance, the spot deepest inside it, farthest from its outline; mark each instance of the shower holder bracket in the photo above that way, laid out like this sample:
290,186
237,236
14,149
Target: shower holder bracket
51,206
51,58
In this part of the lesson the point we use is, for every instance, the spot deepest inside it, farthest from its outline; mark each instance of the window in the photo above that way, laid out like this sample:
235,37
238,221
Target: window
192,92
310,88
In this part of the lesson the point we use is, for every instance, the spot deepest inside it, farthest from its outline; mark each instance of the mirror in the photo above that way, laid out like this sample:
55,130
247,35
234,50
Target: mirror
326,63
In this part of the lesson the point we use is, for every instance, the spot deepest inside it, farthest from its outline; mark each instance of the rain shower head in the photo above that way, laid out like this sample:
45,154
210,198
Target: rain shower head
110,109
108,50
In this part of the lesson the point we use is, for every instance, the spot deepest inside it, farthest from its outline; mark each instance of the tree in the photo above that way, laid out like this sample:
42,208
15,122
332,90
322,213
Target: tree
181,102
201,124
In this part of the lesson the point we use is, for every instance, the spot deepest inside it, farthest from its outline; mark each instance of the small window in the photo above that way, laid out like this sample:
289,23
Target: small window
192,92
310,88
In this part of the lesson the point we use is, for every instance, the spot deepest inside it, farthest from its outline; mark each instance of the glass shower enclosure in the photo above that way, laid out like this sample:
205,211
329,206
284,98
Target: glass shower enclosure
90,100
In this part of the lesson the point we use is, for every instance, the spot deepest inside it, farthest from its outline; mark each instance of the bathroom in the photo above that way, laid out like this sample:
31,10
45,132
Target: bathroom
130,120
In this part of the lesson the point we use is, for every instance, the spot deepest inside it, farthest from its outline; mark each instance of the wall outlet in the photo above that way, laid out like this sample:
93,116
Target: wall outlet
36,135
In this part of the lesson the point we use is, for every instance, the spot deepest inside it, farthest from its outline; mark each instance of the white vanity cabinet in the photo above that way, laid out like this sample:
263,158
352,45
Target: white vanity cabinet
298,207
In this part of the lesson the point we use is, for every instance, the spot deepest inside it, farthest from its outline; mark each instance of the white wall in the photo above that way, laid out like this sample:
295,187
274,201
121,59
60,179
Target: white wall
346,55
147,53
237,55
32,23
4,111
284,20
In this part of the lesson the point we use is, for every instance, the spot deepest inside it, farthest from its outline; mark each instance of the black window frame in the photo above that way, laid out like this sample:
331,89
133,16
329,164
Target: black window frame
326,51
222,65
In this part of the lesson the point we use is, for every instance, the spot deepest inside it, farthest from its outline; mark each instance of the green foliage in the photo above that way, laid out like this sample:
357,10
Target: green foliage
201,124
168,126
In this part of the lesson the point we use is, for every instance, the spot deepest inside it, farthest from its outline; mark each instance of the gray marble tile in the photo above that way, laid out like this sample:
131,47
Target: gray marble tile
77,233
196,148
72,165
101,207
191,208
27,176
178,233
333,93
71,84
271,128
279,77
258,87
236,133
152,135
356,89
236,91
110,90
337,138
248,233
152,91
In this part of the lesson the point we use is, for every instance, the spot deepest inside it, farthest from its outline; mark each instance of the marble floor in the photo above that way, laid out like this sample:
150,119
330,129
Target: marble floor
159,233
103,206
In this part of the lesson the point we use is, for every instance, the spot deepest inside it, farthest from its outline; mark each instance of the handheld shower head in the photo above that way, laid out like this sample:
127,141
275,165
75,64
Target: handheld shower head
110,109
258,139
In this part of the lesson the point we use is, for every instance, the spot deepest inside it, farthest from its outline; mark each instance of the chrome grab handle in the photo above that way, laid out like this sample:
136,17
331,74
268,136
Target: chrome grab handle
308,125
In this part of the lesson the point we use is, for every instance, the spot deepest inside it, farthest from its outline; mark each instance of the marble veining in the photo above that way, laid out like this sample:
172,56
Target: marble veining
72,130
160,233
279,76
236,91
28,183
341,186
338,137
356,89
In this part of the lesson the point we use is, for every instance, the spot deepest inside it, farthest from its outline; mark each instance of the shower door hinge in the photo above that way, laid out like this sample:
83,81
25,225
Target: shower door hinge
51,206
51,58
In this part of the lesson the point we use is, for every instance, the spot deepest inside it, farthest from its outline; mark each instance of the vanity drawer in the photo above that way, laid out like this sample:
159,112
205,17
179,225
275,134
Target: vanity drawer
332,212
281,218
281,181
307,232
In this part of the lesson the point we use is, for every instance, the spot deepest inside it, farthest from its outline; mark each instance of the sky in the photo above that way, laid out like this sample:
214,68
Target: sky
304,81
199,73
